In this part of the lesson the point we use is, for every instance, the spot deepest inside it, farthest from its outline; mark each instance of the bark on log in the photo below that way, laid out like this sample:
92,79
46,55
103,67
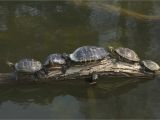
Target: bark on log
107,67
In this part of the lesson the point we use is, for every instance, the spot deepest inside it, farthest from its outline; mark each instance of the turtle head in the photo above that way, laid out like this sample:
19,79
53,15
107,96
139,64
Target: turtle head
111,49
66,56
10,64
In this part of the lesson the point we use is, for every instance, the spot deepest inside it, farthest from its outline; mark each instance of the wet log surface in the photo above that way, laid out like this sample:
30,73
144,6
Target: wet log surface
107,68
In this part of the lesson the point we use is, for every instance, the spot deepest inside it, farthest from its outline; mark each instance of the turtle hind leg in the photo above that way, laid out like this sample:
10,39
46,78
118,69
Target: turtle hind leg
64,68
36,76
44,69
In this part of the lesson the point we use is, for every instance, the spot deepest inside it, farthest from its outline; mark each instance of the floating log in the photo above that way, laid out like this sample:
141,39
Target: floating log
107,67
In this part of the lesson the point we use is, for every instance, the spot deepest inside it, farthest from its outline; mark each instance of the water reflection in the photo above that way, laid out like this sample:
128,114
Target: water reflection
3,22
107,31
154,46
134,100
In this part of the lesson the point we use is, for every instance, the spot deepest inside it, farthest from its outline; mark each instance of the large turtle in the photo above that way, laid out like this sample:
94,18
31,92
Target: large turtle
26,66
149,65
86,54
55,61
124,54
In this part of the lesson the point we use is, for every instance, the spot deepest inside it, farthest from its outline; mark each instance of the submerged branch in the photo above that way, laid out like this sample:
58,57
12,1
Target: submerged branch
122,11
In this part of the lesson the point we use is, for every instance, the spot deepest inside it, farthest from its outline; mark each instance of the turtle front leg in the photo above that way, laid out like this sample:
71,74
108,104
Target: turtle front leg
44,69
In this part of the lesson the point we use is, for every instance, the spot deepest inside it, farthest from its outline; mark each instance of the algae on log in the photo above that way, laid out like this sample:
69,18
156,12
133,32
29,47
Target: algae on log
107,67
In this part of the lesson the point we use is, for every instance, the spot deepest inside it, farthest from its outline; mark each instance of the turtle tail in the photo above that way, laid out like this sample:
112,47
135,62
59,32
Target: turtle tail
10,64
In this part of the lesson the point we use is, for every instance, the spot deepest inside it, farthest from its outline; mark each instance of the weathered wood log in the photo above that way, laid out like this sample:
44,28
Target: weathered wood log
107,67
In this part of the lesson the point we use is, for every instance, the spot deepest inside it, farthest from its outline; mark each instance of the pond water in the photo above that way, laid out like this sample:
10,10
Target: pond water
37,29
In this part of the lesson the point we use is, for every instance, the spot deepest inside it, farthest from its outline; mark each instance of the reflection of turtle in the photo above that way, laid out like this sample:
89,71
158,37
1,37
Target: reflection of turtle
55,61
125,54
86,54
26,66
150,65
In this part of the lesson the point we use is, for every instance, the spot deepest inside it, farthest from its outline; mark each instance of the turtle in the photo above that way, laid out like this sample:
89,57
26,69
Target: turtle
26,66
86,54
124,54
149,65
55,61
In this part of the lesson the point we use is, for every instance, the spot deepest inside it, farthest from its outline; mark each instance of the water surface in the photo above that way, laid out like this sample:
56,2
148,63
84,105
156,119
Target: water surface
37,29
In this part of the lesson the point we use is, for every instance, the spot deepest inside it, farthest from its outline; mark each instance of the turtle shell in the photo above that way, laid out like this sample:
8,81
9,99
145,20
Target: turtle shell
127,54
151,65
88,53
55,59
28,65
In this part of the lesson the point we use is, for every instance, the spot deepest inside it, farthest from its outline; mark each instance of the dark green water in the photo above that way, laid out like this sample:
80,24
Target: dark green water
36,29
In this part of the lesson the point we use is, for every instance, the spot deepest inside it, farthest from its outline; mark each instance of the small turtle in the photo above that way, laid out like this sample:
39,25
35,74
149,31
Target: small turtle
26,66
55,61
87,54
150,65
124,54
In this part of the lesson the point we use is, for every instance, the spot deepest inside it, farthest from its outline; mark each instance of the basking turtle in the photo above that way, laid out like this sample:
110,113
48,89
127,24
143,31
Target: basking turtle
150,65
55,61
124,54
26,66
87,54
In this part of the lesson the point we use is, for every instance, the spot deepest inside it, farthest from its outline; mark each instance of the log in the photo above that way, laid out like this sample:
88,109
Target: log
108,67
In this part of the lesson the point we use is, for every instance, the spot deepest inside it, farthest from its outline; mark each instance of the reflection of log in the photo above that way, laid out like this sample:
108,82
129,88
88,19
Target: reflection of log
122,11
107,67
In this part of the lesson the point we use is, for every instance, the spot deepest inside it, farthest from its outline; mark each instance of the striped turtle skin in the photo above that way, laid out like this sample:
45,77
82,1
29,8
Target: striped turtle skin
88,53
